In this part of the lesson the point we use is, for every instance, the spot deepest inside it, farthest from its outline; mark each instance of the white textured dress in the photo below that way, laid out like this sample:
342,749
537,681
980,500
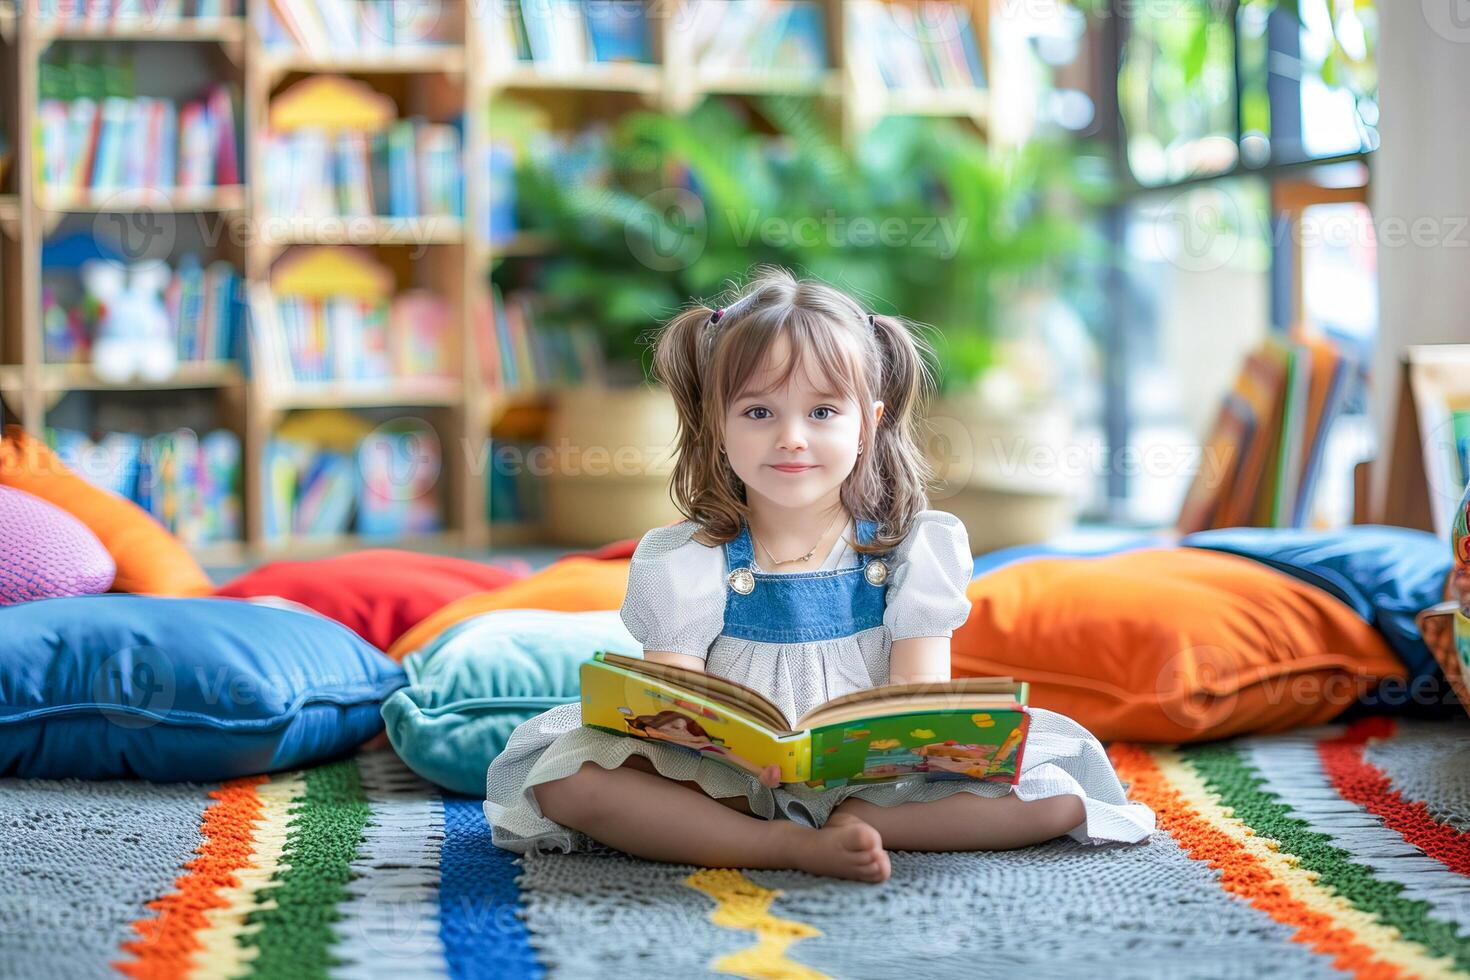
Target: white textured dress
677,600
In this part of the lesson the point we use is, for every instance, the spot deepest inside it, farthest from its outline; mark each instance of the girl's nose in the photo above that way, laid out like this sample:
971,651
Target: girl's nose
793,439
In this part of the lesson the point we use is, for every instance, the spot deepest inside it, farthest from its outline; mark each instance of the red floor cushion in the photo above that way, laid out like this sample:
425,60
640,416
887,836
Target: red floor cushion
380,593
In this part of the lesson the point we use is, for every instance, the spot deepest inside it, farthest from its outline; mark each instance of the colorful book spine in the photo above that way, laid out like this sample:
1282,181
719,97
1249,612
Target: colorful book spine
324,27
413,170
515,351
125,143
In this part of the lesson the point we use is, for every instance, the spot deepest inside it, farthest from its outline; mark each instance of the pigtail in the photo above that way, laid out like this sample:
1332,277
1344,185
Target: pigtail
681,363
896,473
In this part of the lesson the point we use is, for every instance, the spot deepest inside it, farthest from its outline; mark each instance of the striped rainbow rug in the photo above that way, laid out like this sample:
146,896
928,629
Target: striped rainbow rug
1333,851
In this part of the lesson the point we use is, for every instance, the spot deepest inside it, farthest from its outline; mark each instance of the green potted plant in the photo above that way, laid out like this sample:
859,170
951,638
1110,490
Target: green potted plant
663,208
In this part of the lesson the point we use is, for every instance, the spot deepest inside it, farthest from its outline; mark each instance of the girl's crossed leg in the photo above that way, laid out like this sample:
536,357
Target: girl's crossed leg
965,822
650,816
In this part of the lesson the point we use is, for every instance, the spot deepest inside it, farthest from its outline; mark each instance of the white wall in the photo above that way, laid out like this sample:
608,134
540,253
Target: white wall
1421,174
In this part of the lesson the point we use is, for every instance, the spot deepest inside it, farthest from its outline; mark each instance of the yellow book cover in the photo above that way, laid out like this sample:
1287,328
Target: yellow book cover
974,728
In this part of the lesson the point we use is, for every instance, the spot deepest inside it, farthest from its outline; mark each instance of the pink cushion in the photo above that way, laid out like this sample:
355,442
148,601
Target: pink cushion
46,553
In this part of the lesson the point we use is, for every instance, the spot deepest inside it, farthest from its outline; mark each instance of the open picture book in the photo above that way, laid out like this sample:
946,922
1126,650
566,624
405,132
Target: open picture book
974,728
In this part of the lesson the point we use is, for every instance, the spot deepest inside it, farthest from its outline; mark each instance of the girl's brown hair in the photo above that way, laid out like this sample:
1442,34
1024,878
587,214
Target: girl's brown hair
867,358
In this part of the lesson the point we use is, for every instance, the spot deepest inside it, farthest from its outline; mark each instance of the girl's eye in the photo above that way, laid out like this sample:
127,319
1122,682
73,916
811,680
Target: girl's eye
831,412
757,408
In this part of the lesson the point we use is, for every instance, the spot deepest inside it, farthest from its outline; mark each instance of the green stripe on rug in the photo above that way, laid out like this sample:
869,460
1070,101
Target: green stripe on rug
1239,786
292,927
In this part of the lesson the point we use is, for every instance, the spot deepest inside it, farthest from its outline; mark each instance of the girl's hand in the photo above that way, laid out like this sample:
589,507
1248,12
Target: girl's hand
770,777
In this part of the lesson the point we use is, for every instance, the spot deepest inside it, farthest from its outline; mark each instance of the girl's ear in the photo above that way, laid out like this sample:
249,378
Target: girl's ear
877,412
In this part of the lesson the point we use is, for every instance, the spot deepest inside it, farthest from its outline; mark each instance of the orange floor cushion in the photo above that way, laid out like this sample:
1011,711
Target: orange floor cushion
1171,645
149,559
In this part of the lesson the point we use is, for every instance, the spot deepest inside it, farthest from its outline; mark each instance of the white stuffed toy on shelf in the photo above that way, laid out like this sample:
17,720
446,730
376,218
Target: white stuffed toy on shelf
134,336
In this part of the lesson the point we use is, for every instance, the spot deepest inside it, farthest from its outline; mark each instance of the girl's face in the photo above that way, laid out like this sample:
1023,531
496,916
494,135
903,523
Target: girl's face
793,447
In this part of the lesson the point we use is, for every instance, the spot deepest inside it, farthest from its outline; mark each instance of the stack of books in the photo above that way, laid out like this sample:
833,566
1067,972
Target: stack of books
787,37
410,169
565,35
517,353
325,27
1260,463
302,340
926,46
189,483
116,142
97,13
382,484
204,306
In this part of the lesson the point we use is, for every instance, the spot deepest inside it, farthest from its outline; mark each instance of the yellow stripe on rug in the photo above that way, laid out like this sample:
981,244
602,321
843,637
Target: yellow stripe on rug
742,904
221,953
1388,944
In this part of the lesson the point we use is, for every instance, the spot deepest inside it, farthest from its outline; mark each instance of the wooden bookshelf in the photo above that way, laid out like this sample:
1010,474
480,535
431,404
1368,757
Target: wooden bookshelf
189,375
424,60
448,255
130,199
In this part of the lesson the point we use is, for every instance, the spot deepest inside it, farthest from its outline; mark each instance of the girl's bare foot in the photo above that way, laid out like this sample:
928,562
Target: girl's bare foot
846,847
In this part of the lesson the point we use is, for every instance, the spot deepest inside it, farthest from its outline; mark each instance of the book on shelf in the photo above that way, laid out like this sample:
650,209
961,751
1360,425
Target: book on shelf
118,142
1260,464
189,483
497,221
776,36
321,28
411,169
1429,461
515,490
565,35
98,13
968,729
930,45
516,352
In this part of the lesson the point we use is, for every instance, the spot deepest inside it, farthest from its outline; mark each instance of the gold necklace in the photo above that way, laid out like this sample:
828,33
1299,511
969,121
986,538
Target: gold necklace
806,557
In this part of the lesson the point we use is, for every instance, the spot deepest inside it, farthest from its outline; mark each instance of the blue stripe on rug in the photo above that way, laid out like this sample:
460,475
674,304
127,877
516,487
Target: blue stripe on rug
479,901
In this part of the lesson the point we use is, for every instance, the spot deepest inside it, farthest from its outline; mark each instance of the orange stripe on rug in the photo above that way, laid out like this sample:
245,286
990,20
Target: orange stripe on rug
167,941
1241,873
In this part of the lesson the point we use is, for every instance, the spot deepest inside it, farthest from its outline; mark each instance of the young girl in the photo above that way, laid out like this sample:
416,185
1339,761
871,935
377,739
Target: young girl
810,566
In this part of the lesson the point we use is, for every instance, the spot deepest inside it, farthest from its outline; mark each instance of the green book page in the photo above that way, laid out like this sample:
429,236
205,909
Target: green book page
943,744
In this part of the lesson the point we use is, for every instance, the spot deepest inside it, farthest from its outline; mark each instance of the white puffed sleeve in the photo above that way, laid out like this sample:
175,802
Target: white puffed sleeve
676,592
926,585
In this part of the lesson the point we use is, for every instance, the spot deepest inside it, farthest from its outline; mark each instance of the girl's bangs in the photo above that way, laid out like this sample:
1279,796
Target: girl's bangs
810,336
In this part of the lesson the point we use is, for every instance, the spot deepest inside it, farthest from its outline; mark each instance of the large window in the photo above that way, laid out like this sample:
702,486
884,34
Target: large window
1239,134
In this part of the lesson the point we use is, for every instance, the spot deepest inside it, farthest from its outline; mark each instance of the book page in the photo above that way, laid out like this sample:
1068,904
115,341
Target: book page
868,711
894,694
933,745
